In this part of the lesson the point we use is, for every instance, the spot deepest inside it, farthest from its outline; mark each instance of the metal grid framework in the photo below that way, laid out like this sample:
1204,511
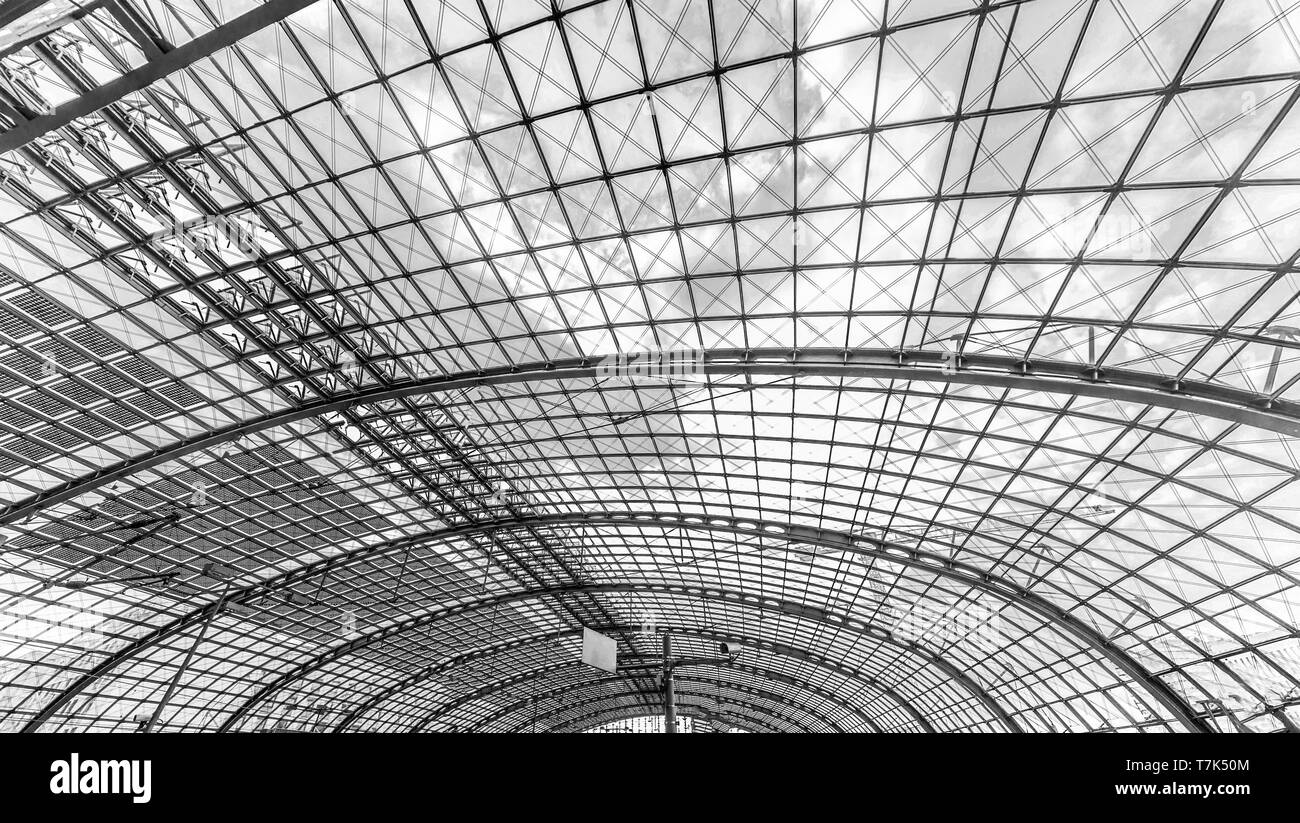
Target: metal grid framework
323,409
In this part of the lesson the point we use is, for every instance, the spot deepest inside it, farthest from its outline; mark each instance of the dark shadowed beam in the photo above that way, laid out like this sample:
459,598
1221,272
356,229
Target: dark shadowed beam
141,32
160,66
22,32
16,9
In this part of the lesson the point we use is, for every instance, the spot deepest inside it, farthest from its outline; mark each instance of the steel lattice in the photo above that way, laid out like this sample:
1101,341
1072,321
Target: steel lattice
943,353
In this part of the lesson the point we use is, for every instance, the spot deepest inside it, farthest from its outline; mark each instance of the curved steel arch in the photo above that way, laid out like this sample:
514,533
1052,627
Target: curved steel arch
550,668
1047,510
446,665
1112,593
885,550
600,716
284,338
757,671
1218,402
778,649
764,694
627,712
942,566
1032,528
681,693
515,643
725,596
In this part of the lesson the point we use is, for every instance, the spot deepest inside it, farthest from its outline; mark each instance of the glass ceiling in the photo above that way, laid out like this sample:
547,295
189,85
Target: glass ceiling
945,354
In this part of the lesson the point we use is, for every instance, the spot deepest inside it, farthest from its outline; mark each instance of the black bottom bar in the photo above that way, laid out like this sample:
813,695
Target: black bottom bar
458,774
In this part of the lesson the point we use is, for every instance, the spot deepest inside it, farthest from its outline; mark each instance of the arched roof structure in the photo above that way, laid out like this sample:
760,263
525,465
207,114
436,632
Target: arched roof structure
941,353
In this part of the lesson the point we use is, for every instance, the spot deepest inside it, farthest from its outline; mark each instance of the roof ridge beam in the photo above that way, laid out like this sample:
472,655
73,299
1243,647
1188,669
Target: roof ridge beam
1217,402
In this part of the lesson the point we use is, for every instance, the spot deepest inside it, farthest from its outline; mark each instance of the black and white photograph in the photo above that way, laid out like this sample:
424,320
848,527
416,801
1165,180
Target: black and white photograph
463,368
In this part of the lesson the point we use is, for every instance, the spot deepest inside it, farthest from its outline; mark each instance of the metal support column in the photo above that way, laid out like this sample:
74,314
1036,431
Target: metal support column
670,708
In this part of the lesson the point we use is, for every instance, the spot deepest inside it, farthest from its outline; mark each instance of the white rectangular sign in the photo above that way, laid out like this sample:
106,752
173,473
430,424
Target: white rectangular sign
599,651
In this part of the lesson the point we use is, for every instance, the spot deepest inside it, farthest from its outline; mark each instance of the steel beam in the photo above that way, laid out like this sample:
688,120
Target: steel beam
944,567
550,668
756,671
767,646
670,710
912,557
139,29
163,64
684,690
1055,378
735,598
688,709
15,10
20,32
